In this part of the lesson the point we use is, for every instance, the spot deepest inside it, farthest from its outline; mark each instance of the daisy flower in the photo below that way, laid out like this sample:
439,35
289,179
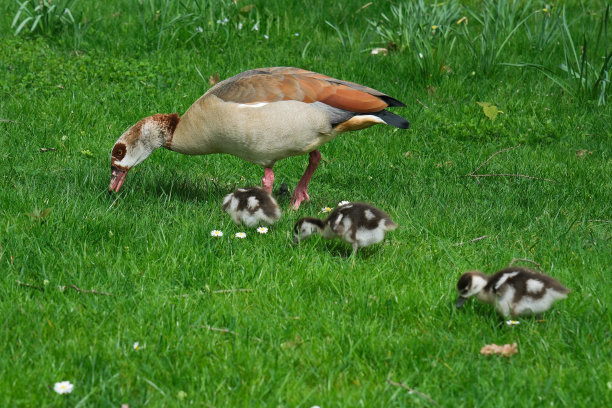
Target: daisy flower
512,322
64,387
137,346
266,36
325,209
216,233
240,235
262,230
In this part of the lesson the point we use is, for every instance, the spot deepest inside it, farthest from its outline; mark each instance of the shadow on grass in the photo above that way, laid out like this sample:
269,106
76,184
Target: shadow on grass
186,190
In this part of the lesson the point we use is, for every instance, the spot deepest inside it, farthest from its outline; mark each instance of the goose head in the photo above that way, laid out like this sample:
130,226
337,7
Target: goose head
138,142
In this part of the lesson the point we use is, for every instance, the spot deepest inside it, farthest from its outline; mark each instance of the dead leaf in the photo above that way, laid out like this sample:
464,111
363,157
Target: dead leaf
506,350
391,46
582,153
39,214
431,89
247,8
379,51
489,110
47,149
293,344
213,79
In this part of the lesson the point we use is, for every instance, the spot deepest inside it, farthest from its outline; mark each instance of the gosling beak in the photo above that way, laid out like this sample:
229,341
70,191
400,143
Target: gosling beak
117,178
460,301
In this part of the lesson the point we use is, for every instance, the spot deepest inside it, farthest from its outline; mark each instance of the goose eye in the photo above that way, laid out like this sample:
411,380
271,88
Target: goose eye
119,151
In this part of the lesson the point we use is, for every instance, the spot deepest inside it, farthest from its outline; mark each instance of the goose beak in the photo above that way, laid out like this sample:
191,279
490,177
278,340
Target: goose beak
460,301
117,178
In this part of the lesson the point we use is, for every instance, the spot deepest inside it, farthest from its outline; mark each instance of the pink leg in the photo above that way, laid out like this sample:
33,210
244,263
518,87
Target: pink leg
300,193
268,179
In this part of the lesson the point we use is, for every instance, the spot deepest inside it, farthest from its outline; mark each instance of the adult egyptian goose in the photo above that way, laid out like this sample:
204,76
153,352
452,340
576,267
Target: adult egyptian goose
513,291
251,206
262,116
358,224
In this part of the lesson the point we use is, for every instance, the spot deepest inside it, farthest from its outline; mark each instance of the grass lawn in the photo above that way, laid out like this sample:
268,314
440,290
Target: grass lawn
228,322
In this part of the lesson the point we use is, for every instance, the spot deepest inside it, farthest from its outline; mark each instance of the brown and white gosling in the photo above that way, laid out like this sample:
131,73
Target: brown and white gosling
513,291
358,224
251,206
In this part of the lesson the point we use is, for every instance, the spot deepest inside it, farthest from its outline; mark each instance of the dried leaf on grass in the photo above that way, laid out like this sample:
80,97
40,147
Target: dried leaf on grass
39,214
213,79
506,350
381,51
581,154
489,110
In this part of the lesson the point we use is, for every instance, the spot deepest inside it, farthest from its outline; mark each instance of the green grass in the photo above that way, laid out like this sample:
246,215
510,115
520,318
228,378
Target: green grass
310,330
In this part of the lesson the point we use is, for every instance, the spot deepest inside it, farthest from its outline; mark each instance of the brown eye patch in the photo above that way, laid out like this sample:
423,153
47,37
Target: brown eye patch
119,151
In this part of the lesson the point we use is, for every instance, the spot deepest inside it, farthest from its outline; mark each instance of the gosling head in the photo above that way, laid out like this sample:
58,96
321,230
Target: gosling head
470,284
305,227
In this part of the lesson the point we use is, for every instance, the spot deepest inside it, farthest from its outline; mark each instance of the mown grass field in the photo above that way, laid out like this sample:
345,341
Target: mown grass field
225,322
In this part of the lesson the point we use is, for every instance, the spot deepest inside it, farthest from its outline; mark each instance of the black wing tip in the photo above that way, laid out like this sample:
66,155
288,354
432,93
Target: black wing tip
392,119
405,125
392,101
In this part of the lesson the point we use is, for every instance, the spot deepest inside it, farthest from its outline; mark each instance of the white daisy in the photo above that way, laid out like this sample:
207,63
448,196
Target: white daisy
64,387
325,209
240,235
216,233
512,322
262,230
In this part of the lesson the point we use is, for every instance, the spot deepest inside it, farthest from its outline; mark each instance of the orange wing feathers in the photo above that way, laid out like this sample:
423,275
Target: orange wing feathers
283,83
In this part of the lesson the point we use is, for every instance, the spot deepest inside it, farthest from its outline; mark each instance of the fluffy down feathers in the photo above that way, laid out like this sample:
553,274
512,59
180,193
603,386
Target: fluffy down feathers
251,207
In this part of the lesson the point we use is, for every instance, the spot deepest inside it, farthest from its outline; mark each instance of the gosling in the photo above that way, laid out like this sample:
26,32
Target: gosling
358,224
251,206
512,291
